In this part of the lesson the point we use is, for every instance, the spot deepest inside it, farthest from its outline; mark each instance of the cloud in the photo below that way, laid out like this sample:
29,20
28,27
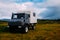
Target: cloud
7,1
7,9
51,13
53,9
53,2
35,1
44,8
48,3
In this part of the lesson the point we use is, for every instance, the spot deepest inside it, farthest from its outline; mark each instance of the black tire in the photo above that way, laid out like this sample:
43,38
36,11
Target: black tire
33,27
25,29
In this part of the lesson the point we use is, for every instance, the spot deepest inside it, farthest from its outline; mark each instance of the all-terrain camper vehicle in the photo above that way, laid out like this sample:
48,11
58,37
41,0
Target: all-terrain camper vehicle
23,20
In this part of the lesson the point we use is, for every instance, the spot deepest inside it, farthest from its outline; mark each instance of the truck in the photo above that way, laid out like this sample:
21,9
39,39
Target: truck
23,20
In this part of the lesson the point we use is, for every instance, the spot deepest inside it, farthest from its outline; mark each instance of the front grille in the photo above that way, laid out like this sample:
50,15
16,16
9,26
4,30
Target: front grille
14,23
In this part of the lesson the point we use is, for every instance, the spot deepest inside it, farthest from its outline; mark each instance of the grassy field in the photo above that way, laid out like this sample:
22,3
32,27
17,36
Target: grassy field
42,32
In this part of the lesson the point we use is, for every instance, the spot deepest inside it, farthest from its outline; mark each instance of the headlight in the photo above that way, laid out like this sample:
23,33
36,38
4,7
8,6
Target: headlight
8,26
19,26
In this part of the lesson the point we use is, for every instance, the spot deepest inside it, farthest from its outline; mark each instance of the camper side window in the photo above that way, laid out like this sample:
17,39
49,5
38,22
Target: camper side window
34,14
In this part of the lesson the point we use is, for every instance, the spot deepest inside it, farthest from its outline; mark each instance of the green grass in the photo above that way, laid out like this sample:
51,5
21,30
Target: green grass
42,32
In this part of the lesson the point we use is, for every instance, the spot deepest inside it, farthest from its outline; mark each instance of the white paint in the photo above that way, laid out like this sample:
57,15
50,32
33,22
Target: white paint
32,18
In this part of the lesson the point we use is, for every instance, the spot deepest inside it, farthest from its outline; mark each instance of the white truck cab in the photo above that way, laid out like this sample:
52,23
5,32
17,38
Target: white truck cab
23,20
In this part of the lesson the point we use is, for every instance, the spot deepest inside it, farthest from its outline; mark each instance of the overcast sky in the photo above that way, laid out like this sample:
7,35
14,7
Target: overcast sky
46,9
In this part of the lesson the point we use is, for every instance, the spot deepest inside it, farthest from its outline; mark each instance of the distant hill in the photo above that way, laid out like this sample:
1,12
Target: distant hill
5,20
48,21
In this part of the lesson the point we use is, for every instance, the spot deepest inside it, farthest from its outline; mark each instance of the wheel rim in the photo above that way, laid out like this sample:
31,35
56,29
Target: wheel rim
34,27
26,29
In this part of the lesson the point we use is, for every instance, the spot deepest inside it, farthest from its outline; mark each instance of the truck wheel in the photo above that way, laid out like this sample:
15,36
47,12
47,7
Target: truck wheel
25,29
33,27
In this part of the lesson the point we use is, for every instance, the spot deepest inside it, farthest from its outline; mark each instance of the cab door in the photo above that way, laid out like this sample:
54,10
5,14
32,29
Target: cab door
27,18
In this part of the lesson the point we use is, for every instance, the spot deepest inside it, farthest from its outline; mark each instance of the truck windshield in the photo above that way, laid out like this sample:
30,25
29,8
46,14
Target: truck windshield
17,16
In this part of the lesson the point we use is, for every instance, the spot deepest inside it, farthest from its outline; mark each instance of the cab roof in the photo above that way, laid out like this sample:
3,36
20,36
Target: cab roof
26,12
